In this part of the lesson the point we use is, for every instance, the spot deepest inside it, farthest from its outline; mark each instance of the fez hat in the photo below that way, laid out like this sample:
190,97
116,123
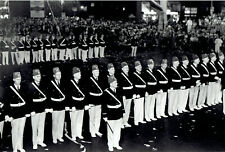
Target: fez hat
94,67
150,61
75,70
55,70
16,75
110,65
36,72
111,79
184,58
137,63
123,64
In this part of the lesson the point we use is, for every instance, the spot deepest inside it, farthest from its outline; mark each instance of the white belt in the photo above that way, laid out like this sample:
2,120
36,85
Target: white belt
77,99
195,76
39,100
151,83
140,86
128,88
213,73
220,72
163,82
17,105
205,75
173,80
95,94
57,100
114,107
186,78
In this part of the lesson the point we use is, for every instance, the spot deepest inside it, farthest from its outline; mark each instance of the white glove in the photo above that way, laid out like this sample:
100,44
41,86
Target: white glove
124,98
134,96
10,119
67,108
73,109
6,118
51,110
86,107
146,94
160,91
46,110
170,88
105,119
138,96
182,87
27,115
32,113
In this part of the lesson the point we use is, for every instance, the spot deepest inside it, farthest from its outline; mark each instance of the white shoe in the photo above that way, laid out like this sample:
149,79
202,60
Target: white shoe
119,148
22,150
185,110
61,140
73,139
99,134
54,141
127,125
164,116
35,147
179,111
80,137
42,144
110,148
93,135
175,113
153,119
143,122
170,114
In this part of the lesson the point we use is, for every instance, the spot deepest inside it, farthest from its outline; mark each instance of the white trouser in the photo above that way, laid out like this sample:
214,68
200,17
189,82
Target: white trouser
27,56
134,51
5,58
160,103
40,55
62,54
17,57
182,101
150,106
90,52
79,53
102,51
202,95
95,119
13,56
55,54
76,118
74,52
21,56
172,101
193,97
35,56
38,127
58,118
84,55
211,94
218,92
114,132
47,54
126,115
17,132
138,110
96,51
69,54
1,129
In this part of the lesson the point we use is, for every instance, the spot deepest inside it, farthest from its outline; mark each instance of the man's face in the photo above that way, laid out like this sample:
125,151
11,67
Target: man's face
164,66
57,75
186,62
221,57
111,71
197,61
95,73
17,81
176,63
125,69
151,66
114,84
37,78
138,68
77,75
206,60
213,59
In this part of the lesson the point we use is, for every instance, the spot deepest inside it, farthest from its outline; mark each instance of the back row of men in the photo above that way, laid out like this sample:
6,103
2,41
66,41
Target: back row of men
195,85
42,48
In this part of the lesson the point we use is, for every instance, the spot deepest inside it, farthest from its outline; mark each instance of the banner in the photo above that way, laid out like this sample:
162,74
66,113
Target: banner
37,9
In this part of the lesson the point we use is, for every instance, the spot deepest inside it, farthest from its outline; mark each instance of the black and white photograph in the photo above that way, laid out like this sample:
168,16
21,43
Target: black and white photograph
104,76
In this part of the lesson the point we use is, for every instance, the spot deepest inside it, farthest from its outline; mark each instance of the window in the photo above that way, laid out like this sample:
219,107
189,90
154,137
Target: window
190,12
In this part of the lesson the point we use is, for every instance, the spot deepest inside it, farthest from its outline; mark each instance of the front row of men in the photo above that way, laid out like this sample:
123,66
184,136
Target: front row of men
149,89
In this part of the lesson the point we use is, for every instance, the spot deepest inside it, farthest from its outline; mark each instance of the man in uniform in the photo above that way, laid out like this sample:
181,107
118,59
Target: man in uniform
102,46
27,49
57,103
195,83
84,49
76,104
4,49
90,47
139,90
47,48
127,91
54,46
62,48
114,114
40,49
20,48
38,105
213,78
174,94
17,111
161,96
151,90
220,68
34,49
96,46
95,93
68,54
12,47
203,70
185,84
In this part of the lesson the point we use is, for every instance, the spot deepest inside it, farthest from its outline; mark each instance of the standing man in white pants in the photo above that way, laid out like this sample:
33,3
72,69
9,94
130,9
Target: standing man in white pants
96,46
195,83
151,90
174,93
95,93
185,84
37,99
161,97
139,91
57,104
126,85
90,47
76,104
102,46
114,114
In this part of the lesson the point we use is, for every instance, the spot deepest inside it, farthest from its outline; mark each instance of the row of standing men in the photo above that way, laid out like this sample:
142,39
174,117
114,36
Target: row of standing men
43,48
194,85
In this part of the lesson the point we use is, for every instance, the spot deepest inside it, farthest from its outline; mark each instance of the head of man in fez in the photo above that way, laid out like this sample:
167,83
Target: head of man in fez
138,66
1,35
185,60
125,67
56,73
111,69
195,59
112,82
205,58
95,70
17,78
221,56
150,64
175,61
164,64
212,57
76,73
37,76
